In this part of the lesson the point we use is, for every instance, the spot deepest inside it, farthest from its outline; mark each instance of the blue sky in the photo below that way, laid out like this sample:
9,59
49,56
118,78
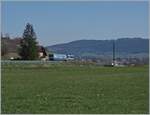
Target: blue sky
61,22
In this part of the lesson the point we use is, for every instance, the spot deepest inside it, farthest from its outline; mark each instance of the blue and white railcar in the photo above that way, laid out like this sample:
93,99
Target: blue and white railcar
58,57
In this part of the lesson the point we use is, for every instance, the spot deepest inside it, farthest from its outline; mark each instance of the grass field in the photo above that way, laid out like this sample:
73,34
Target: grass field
75,89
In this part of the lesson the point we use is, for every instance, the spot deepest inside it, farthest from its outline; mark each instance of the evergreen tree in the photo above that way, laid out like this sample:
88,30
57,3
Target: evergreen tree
29,49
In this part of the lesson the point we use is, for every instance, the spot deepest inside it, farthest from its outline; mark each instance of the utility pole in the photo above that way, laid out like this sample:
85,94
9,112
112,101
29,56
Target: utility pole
114,52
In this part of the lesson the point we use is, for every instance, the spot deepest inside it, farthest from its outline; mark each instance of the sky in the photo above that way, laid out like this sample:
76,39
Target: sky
62,22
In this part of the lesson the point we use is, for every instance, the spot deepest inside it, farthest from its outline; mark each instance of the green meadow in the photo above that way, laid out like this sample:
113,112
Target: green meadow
74,89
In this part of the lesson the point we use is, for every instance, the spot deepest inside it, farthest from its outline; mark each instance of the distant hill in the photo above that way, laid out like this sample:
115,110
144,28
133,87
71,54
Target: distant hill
124,47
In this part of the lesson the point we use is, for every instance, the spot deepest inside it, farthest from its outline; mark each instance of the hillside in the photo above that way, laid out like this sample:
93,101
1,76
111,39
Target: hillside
124,47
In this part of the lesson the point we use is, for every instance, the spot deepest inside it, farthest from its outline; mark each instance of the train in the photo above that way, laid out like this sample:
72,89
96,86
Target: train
60,57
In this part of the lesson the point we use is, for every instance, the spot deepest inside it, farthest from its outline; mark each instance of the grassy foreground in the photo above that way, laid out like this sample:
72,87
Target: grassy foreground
75,89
